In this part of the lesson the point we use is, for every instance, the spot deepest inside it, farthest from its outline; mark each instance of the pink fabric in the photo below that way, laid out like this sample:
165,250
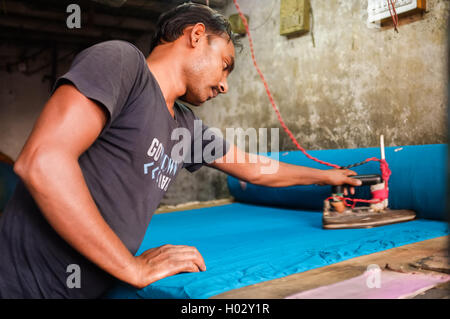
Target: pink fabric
376,285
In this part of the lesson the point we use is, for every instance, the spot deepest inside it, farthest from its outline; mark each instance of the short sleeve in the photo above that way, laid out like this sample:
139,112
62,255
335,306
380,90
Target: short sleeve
213,146
105,73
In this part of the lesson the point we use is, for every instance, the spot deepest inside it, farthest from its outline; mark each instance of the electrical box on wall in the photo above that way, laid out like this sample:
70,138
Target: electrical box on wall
294,17
378,10
237,26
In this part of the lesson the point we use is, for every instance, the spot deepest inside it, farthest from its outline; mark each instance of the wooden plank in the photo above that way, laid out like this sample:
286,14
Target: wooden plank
193,205
399,258
439,292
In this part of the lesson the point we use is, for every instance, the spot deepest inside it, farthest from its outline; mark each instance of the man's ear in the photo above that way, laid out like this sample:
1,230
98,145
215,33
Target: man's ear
196,33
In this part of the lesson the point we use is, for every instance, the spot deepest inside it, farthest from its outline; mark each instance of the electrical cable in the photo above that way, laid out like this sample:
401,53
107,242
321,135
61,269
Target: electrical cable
393,13
267,19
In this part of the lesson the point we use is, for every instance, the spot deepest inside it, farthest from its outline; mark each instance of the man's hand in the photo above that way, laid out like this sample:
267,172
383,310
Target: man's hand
157,263
337,176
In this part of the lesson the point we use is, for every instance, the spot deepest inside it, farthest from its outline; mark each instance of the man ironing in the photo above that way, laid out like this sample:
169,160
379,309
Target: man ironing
89,180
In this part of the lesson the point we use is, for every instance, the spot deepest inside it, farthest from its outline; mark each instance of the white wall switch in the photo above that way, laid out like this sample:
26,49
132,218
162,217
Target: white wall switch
379,9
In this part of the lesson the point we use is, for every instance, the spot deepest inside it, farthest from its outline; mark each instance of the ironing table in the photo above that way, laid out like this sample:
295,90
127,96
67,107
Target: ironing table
269,242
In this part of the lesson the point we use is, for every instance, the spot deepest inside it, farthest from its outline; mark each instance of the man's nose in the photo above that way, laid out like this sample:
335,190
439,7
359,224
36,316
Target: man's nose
223,86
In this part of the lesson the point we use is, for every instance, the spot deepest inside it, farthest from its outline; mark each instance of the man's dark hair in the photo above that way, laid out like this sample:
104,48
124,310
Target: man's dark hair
171,24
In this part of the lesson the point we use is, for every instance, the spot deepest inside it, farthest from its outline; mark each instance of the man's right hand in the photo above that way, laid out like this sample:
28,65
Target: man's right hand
160,262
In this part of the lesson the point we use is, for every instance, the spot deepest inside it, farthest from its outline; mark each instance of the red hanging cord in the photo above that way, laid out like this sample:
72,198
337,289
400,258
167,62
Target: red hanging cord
385,172
393,13
280,119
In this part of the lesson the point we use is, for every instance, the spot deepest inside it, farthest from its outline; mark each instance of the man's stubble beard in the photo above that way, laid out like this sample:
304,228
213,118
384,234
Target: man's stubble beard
193,96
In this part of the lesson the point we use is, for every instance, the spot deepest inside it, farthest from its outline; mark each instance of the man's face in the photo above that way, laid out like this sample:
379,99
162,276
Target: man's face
208,68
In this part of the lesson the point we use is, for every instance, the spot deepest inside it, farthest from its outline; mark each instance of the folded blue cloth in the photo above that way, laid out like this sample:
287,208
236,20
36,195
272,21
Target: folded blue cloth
244,244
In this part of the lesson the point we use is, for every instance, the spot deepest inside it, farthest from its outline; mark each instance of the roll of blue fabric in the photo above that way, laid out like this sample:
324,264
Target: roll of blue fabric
418,180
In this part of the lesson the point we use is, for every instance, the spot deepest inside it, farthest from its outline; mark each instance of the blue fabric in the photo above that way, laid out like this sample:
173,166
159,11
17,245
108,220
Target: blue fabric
418,180
243,244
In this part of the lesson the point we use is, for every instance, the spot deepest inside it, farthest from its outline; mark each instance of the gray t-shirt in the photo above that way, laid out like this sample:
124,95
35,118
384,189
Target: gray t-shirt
127,169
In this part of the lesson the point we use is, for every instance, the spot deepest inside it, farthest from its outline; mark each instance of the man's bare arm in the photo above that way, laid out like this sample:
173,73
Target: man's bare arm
48,165
282,174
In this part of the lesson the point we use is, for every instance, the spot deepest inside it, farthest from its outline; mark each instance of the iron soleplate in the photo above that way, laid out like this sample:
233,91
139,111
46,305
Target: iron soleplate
365,218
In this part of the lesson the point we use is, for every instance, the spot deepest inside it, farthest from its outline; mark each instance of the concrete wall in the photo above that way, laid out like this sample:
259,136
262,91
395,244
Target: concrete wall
355,83
22,98
17,110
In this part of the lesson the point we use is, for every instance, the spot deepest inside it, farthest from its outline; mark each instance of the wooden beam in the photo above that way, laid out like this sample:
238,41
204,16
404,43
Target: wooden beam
149,5
98,19
59,6
30,25
40,38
